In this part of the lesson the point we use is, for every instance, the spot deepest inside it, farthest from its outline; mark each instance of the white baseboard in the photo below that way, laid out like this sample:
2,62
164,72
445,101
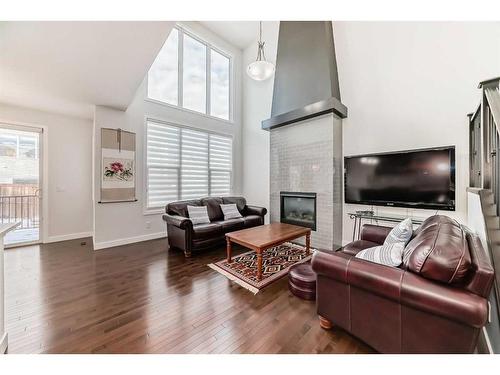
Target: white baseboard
129,240
67,237
3,343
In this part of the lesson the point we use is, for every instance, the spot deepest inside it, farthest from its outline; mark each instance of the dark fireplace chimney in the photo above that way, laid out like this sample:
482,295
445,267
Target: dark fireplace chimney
306,81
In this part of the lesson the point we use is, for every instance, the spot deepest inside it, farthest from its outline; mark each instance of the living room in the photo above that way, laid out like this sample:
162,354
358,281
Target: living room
304,185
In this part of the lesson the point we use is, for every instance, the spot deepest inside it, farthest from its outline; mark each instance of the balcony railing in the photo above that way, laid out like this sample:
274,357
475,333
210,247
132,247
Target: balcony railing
20,208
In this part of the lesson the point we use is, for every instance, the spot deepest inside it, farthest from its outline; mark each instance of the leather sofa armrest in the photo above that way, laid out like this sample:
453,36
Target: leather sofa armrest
452,303
178,221
382,280
374,233
255,210
331,264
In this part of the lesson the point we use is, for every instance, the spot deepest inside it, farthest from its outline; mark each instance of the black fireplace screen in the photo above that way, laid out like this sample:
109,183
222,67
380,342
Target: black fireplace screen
298,209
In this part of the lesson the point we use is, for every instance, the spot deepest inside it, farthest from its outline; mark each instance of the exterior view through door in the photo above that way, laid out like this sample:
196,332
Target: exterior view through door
20,182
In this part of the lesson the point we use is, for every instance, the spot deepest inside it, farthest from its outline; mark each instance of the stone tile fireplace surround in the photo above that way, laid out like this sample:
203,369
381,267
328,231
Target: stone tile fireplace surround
306,127
307,157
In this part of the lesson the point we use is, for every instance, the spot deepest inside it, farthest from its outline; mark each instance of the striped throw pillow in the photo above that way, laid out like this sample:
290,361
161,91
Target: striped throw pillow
198,215
230,211
387,254
400,233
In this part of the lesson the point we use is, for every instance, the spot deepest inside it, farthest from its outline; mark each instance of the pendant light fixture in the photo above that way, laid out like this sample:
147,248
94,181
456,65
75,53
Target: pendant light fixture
260,70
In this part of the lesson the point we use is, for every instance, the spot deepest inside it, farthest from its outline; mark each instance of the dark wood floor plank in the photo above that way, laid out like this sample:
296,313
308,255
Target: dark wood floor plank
142,298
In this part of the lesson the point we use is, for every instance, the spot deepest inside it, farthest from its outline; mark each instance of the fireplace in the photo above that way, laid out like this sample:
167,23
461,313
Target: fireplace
298,208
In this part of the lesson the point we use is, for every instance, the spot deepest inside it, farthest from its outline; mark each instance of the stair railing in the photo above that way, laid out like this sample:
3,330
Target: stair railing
484,159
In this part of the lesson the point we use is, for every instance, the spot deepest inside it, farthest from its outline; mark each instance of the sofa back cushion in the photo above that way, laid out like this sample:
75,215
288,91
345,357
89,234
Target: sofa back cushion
213,207
180,208
439,251
239,201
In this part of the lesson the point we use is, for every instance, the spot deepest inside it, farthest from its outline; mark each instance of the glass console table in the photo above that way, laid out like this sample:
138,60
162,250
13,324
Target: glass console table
385,218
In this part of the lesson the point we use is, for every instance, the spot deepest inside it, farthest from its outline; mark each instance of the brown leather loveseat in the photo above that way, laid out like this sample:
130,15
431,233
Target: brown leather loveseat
182,234
435,302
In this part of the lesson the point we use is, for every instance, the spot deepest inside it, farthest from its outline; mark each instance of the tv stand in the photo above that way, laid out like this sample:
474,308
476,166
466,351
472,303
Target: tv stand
359,216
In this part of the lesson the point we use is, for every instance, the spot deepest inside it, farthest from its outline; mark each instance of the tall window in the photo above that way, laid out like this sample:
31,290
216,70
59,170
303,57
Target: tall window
191,74
185,164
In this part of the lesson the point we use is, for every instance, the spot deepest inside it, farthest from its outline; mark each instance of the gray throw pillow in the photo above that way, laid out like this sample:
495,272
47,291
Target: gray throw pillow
198,214
387,254
400,233
230,211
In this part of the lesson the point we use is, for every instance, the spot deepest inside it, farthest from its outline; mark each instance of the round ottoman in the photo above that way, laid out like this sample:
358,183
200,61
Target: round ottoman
302,281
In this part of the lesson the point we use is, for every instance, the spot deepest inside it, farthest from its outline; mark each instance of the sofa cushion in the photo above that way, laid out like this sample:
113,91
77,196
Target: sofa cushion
390,254
401,233
356,246
198,214
252,220
239,201
213,207
180,208
231,225
439,251
430,221
204,231
230,211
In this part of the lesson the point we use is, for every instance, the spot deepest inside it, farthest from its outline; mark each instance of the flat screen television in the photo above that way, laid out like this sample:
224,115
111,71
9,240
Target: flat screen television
417,178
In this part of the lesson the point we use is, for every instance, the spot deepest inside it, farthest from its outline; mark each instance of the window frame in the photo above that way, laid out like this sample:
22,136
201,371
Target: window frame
180,77
159,210
19,155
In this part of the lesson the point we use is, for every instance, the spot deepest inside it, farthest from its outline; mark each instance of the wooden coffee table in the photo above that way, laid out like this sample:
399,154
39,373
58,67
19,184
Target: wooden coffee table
264,237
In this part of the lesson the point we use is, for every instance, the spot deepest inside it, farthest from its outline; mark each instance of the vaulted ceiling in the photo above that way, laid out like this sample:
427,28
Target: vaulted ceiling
239,33
68,67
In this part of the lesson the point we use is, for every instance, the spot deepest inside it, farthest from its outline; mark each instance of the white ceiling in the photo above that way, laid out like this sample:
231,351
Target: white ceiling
239,33
67,67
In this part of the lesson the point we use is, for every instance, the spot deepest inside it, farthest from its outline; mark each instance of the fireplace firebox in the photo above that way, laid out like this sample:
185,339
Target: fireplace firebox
298,208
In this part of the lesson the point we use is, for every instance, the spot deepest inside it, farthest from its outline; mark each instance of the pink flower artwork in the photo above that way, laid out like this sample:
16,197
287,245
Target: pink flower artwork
118,170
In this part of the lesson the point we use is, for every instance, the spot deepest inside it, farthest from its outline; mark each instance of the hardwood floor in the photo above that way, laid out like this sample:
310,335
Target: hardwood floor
141,298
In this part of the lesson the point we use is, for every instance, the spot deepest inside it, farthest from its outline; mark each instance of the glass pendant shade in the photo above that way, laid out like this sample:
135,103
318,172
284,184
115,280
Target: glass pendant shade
260,70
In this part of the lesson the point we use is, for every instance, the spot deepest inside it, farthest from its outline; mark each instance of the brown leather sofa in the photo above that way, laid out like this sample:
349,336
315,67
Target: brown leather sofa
434,303
182,234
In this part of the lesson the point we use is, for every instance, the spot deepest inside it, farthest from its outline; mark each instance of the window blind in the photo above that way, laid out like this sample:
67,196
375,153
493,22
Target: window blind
163,162
185,164
220,165
194,172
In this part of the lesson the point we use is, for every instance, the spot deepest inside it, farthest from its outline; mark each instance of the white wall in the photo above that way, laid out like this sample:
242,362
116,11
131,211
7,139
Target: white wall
410,85
120,223
68,145
257,99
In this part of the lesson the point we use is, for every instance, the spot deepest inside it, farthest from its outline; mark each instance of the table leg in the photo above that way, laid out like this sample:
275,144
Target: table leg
259,265
354,229
228,249
308,243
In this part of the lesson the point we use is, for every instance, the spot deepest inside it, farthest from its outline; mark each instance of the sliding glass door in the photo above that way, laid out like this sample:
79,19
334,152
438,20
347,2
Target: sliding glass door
20,166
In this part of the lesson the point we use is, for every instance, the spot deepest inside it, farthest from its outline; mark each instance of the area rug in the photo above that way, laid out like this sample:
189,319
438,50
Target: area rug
276,262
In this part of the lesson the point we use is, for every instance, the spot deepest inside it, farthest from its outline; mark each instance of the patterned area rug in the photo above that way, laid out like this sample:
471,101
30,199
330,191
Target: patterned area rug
275,264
